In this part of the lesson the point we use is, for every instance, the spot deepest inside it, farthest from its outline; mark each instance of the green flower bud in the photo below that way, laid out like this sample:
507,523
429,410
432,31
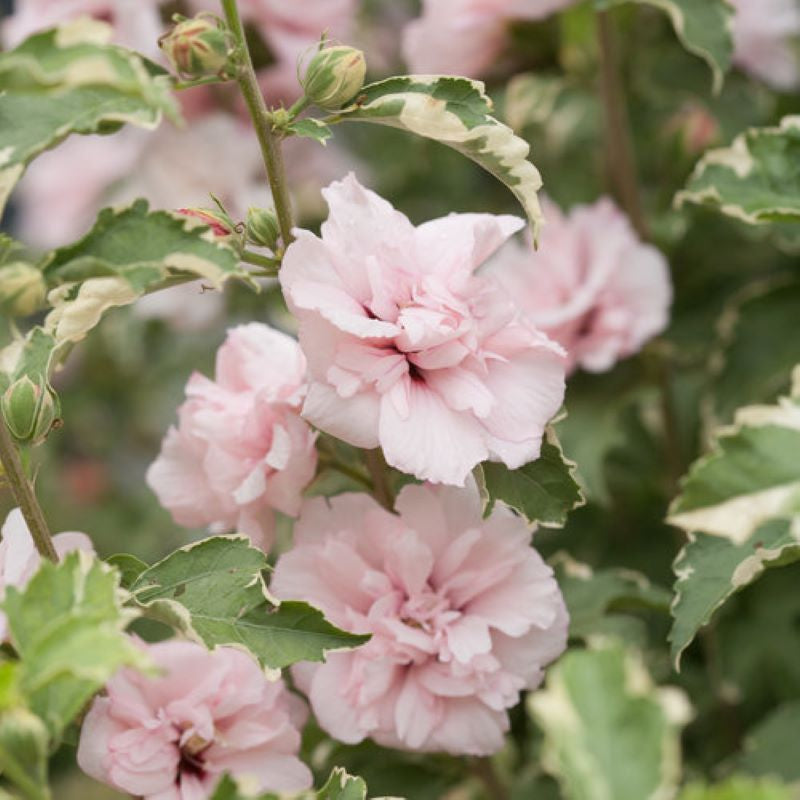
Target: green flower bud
262,227
22,289
220,223
29,410
197,47
334,76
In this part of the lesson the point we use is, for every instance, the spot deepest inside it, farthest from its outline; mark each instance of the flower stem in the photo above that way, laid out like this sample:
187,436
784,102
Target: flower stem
380,483
22,489
270,143
483,770
179,86
301,105
256,259
621,162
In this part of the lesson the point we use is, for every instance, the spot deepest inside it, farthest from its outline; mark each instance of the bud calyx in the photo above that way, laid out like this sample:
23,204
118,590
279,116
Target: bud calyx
334,76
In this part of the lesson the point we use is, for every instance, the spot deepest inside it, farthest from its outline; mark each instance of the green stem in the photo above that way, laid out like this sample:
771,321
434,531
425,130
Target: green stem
331,463
621,162
22,489
380,483
270,144
257,260
301,105
181,85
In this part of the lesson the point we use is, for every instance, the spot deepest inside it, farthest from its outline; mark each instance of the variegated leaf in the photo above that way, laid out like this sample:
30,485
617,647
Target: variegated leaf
458,113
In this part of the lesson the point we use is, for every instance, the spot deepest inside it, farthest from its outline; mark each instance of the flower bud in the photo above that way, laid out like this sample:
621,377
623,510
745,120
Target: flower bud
29,409
22,289
262,227
220,223
197,47
334,76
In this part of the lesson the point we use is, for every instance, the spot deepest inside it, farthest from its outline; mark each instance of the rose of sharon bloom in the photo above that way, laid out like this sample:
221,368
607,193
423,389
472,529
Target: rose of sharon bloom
240,449
409,350
763,34
19,558
172,737
465,37
463,613
592,285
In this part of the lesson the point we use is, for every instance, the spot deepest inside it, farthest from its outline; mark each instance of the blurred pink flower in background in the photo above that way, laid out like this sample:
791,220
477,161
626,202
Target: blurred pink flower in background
173,736
19,558
593,285
135,23
407,349
463,613
240,449
465,37
765,37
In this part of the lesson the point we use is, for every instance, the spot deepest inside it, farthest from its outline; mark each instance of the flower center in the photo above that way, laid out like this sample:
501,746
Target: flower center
426,611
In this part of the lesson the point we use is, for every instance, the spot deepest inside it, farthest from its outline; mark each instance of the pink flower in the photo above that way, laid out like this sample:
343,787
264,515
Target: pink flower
465,37
19,558
240,449
407,349
172,737
593,286
463,613
765,36
136,23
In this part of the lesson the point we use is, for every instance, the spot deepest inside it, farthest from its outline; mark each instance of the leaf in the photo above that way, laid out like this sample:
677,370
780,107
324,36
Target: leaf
703,28
754,179
456,112
213,592
130,567
751,475
756,347
67,625
70,80
543,491
608,732
711,569
23,752
771,747
597,598
738,788
339,786
310,128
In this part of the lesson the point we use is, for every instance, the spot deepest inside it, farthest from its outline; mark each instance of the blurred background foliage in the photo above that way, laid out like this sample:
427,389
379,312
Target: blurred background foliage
633,432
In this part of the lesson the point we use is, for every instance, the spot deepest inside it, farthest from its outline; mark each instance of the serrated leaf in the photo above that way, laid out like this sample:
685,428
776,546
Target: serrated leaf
213,592
711,569
703,28
23,752
771,747
543,491
310,128
70,80
751,475
756,346
596,599
339,786
740,787
130,568
458,113
67,626
609,733
754,179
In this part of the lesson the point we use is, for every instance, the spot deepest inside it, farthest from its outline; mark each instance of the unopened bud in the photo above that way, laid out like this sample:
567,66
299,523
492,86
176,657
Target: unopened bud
29,410
22,289
220,223
334,76
197,47
262,227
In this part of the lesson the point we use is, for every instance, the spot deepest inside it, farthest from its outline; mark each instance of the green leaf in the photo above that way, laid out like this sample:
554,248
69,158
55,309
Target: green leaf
213,592
67,625
339,786
23,752
756,346
130,568
704,29
751,475
609,733
310,128
458,113
771,747
738,788
596,600
70,80
754,179
543,491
